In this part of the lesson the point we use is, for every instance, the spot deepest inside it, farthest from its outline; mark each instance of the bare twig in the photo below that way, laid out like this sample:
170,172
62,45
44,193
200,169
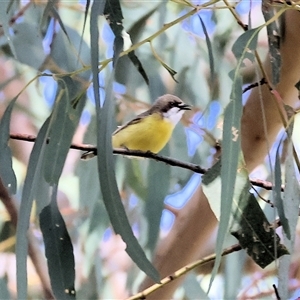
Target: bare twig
182,271
276,292
168,160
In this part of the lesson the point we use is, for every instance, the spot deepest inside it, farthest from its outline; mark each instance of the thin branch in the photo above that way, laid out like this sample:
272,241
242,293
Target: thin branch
33,247
182,271
255,84
276,292
136,153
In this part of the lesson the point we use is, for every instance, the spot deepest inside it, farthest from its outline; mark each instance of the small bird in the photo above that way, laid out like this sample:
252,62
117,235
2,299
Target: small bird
152,129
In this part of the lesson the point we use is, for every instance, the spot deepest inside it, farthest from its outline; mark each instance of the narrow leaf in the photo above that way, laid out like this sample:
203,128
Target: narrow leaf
169,69
274,41
59,250
107,178
29,191
210,52
136,62
277,197
291,208
63,122
158,187
229,157
7,173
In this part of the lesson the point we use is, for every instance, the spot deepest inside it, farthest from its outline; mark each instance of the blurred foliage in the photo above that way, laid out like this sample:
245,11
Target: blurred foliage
59,61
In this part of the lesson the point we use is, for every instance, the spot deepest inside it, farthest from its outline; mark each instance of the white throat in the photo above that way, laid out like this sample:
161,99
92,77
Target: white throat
173,115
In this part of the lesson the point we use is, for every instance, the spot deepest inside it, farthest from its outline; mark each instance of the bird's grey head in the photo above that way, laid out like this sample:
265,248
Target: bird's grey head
171,107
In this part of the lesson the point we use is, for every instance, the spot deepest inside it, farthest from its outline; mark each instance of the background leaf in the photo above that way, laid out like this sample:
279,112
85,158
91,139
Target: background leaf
7,173
59,250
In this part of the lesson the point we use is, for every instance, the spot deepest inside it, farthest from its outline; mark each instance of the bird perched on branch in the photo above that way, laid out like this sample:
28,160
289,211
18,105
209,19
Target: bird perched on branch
152,129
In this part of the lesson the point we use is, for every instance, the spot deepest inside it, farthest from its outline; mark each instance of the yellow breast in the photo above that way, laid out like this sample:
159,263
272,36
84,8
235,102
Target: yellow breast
150,134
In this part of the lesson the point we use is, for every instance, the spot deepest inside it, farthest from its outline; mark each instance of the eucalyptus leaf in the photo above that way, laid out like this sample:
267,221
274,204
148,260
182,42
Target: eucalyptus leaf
278,201
274,41
29,191
59,250
158,187
5,16
291,208
243,48
28,44
109,188
229,166
7,173
63,122
257,236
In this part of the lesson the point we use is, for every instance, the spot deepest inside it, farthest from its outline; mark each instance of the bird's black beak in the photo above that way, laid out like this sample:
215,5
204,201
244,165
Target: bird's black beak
184,106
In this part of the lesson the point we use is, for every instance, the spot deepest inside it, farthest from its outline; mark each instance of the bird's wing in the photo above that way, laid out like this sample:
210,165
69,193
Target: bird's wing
136,120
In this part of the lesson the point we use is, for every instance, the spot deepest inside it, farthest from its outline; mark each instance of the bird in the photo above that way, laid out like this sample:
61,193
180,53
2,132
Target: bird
152,129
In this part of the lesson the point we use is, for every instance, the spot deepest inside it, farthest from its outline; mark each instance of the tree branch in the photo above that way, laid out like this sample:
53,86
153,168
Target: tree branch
136,153
182,271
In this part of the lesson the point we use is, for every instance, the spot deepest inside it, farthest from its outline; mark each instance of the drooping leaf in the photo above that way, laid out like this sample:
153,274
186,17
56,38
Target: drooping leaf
256,235
29,191
274,41
137,63
291,208
50,10
4,291
28,44
278,201
158,187
66,56
114,16
87,6
107,178
229,166
63,122
7,173
4,17
58,249
169,69
210,52
244,48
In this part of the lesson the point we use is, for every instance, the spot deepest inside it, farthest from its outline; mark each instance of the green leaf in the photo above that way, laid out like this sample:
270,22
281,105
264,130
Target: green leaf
210,51
243,48
66,56
256,235
63,122
29,191
4,291
291,207
28,44
158,187
274,41
4,17
136,62
277,196
193,289
59,250
107,178
7,173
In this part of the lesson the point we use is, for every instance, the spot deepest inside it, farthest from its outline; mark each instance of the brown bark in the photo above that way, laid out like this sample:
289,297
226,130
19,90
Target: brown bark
195,223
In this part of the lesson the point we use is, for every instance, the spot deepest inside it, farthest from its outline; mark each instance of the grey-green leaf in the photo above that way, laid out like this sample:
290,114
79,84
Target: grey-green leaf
107,178
7,173
59,250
